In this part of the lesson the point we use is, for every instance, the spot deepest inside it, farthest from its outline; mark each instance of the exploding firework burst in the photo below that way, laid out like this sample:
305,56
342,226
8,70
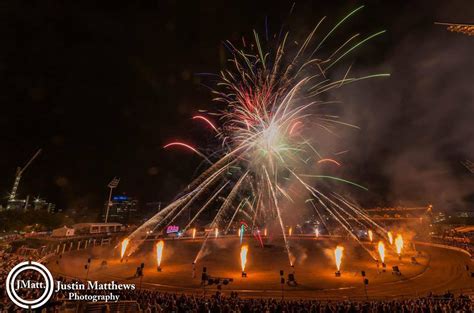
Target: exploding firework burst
268,125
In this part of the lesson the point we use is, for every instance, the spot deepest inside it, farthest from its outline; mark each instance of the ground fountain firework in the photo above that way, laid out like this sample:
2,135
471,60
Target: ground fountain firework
338,256
272,114
159,253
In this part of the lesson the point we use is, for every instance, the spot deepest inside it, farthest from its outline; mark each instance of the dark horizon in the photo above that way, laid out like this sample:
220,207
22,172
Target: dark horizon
102,89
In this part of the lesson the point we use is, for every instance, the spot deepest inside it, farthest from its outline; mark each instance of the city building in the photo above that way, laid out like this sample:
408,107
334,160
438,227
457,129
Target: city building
42,204
26,205
17,204
122,208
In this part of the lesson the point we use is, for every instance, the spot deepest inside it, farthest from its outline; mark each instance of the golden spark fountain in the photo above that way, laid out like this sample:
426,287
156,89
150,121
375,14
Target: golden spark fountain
194,233
338,257
124,247
390,237
399,244
265,232
243,258
317,232
381,248
371,236
159,253
216,232
290,231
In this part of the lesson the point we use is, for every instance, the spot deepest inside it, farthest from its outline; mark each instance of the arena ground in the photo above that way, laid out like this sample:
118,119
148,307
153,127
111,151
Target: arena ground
438,270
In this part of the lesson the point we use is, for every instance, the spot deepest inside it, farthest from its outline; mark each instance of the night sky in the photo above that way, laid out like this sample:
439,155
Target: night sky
102,88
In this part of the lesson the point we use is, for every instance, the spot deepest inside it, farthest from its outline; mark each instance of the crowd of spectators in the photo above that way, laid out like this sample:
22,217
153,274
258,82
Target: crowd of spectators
456,239
150,301
7,262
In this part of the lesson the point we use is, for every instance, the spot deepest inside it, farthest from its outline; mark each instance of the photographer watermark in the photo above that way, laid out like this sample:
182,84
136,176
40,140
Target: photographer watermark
13,285
20,289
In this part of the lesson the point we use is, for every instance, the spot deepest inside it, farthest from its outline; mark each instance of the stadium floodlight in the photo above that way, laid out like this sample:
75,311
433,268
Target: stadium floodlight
113,184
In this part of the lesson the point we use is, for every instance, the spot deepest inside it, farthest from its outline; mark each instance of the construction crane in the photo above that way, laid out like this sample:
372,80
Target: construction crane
19,172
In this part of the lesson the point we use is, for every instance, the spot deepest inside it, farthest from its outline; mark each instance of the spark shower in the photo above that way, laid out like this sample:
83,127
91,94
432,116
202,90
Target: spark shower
270,116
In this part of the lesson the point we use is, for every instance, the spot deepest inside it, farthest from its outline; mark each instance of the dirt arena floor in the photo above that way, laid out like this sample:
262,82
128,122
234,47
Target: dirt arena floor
438,269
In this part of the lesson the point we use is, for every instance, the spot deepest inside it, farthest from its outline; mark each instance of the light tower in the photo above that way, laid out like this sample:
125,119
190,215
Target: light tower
113,184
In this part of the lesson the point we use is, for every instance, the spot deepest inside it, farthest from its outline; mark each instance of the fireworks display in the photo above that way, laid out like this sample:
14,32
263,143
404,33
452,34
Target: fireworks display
390,237
159,252
124,247
466,29
273,114
399,244
243,256
329,160
381,249
283,141
338,256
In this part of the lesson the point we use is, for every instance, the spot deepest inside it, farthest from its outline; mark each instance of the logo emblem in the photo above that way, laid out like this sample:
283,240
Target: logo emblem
13,284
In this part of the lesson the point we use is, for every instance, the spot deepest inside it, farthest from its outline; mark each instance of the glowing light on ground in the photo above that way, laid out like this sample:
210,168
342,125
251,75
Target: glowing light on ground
381,249
338,256
124,247
159,251
399,244
259,237
390,237
243,256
